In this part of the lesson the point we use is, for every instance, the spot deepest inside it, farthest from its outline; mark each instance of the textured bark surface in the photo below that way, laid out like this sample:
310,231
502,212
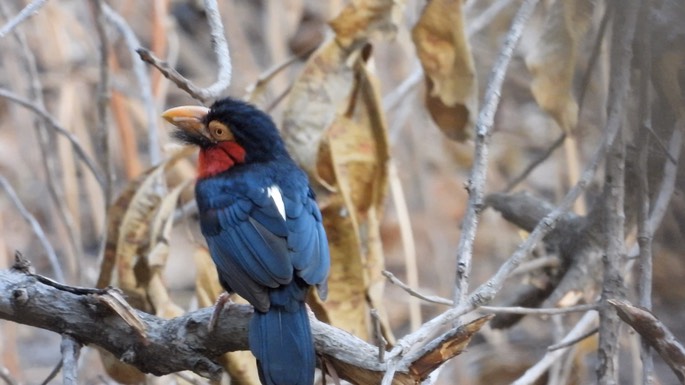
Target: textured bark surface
170,345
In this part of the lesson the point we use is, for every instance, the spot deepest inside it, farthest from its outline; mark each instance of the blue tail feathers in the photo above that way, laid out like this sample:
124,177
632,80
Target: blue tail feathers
281,339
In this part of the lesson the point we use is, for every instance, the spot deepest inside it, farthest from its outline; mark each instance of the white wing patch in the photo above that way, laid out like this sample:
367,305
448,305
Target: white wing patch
275,194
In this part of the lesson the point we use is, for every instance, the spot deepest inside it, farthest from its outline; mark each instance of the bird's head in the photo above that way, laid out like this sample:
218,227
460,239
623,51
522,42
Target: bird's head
229,132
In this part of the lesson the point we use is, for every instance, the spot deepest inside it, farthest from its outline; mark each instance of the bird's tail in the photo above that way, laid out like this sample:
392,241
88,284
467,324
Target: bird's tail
281,340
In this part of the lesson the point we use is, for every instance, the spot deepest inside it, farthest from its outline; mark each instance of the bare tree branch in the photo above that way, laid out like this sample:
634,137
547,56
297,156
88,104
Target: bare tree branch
535,163
103,98
223,57
477,178
71,350
645,233
5,375
537,370
144,84
54,124
28,11
35,226
51,163
185,343
624,23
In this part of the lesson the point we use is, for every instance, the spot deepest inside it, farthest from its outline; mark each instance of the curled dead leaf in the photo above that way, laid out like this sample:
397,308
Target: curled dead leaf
136,251
445,54
335,129
553,61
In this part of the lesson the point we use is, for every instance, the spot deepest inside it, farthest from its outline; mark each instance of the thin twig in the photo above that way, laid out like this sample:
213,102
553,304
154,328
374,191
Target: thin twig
36,227
52,374
408,244
594,56
70,350
494,309
378,335
539,311
170,73
144,84
645,233
103,97
534,164
256,88
536,264
658,209
102,127
534,372
54,124
394,97
667,186
571,342
485,18
28,11
5,375
484,123
220,47
428,298
51,163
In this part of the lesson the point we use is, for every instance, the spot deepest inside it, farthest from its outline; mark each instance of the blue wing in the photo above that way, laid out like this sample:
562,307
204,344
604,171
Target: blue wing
256,248
307,241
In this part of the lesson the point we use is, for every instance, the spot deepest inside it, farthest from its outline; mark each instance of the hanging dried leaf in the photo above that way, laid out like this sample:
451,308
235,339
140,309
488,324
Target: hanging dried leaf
334,128
323,89
362,20
240,365
445,55
160,228
136,250
553,61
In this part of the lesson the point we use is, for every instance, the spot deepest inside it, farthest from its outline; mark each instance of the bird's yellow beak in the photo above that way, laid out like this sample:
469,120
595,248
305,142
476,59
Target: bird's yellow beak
187,118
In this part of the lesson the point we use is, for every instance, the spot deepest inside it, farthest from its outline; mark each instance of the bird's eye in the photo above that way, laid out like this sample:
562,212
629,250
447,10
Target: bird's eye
220,131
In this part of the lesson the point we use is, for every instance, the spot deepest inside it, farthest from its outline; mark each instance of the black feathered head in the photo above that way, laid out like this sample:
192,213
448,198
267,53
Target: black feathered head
228,120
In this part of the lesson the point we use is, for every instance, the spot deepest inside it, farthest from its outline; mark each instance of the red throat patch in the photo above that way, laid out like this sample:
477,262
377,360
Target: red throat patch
217,159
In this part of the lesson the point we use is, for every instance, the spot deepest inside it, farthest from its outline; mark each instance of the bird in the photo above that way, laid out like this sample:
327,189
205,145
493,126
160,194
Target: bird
263,228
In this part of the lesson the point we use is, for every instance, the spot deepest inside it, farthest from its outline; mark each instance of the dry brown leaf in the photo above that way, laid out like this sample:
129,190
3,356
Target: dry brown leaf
445,54
553,61
136,251
240,365
323,88
362,20
335,129
160,228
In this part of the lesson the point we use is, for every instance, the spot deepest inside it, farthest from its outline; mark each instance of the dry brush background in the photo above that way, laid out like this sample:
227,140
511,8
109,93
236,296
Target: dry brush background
379,101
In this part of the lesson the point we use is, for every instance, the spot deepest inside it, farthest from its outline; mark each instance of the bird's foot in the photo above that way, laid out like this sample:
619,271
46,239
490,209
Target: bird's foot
222,302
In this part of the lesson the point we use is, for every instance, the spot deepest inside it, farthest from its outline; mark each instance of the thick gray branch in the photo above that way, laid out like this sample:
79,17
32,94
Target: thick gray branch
172,345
